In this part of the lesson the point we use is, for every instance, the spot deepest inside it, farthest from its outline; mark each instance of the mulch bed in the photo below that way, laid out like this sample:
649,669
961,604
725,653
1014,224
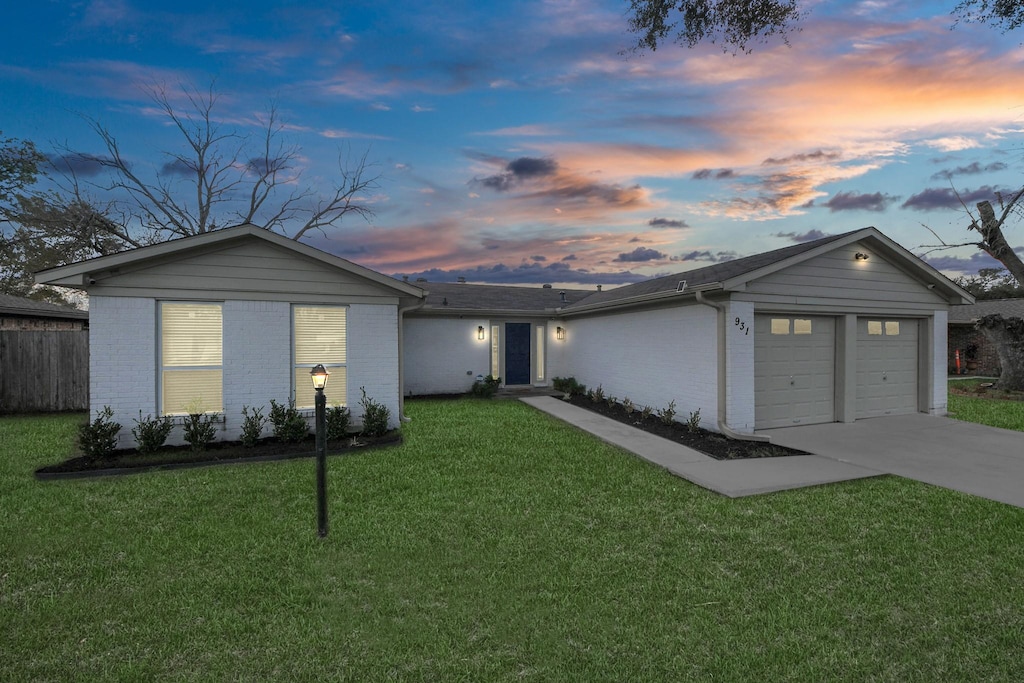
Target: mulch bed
130,461
710,443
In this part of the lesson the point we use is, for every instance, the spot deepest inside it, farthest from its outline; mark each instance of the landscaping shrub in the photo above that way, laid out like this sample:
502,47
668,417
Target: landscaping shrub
628,406
338,419
150,433
99,437
597,395
485,388
289,425
199,430
569,386
646,412
375,416
668,413
252,425
693,422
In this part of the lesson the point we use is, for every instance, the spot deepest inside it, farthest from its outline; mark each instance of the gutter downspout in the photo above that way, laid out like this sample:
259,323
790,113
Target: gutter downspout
402,417
723,354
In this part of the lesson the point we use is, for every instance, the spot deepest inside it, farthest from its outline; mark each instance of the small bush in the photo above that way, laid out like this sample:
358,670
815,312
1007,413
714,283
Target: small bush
646,412
597,395
485,388
375,416
611,401
569,386
668,413
338,419
199,431
150,433
98,438
289,425
628,406
252,426
693,422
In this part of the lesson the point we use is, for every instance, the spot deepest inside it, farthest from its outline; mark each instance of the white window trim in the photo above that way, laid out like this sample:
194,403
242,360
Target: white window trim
160,368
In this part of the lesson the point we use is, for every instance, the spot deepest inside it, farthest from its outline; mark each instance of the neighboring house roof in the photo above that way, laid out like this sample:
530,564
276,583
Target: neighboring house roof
30,308
966,315
449,297
79,274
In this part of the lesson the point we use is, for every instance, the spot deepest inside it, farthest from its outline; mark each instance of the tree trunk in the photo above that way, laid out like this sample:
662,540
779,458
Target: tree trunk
1007,335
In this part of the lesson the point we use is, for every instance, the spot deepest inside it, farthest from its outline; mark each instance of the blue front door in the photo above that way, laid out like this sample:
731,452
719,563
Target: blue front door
517,353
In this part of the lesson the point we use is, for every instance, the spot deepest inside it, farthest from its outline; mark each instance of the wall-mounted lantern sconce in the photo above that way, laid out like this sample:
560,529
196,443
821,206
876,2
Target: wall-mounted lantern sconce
560,333
480,332
861,256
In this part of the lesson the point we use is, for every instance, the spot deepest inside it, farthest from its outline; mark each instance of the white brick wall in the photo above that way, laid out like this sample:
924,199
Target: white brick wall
373,357
443,355
940,389
122,360
257,359
652,357
739,341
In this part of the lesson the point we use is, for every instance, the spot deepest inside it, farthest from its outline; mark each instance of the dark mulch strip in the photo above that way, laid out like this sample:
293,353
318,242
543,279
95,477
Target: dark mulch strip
129,461
709,443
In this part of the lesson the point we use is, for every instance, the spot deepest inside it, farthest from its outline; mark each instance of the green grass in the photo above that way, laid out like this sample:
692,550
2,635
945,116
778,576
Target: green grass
496,544
986,411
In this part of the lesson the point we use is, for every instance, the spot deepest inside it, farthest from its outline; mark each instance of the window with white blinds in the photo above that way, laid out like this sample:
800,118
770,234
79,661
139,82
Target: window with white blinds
319,336
191,358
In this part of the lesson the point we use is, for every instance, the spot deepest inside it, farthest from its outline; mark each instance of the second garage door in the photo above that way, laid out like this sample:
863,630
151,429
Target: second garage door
794,370
886,367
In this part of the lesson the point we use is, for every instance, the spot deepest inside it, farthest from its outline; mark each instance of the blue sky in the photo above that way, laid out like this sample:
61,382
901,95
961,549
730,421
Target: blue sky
517,143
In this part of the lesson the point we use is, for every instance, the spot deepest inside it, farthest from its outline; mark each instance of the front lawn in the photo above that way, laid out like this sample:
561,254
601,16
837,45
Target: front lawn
495,544
965,403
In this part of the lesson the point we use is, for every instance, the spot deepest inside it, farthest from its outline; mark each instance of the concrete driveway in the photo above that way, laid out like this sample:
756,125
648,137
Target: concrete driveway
968,457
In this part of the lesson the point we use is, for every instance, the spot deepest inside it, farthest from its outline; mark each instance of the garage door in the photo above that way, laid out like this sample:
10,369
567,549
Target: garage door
886,367
794,370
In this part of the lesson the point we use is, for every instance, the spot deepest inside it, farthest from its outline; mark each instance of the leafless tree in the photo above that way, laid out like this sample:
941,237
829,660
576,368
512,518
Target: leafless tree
220,177
1006,334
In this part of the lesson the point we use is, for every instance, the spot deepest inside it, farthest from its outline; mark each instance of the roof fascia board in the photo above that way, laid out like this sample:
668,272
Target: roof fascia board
639,300
485,312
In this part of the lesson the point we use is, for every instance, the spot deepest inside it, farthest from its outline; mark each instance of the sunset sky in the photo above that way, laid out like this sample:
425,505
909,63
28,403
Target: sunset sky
517,143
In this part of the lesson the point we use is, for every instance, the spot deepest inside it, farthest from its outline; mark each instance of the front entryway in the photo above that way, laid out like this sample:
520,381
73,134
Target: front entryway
794,370
517,353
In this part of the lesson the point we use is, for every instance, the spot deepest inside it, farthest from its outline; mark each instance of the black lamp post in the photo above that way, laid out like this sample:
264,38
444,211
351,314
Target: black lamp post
319,375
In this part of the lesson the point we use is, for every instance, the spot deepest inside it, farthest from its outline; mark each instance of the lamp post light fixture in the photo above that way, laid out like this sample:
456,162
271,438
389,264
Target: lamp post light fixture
319,376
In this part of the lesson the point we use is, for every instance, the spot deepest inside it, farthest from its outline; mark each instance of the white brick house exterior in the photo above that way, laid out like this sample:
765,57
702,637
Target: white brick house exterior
844,327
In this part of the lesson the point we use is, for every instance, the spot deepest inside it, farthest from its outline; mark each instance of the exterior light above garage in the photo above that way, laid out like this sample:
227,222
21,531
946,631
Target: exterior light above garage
560,333
480,332
861,256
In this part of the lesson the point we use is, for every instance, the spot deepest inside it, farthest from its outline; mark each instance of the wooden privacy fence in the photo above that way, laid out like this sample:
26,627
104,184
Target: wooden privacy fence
44,371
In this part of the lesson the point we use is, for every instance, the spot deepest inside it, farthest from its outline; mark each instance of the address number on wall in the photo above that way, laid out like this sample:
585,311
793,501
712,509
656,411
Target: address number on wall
742,325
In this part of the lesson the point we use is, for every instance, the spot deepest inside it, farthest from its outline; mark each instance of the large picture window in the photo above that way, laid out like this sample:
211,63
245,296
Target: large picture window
319,337
191,358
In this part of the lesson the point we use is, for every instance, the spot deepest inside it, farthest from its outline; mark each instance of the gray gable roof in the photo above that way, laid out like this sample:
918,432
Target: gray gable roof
449,296
964,315
728,275
30,308
720,272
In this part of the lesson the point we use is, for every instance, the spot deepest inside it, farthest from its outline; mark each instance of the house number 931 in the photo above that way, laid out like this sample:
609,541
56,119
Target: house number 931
743,326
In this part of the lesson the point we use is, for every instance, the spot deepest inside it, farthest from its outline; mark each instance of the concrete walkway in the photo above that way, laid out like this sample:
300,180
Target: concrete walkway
963,456
733,478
